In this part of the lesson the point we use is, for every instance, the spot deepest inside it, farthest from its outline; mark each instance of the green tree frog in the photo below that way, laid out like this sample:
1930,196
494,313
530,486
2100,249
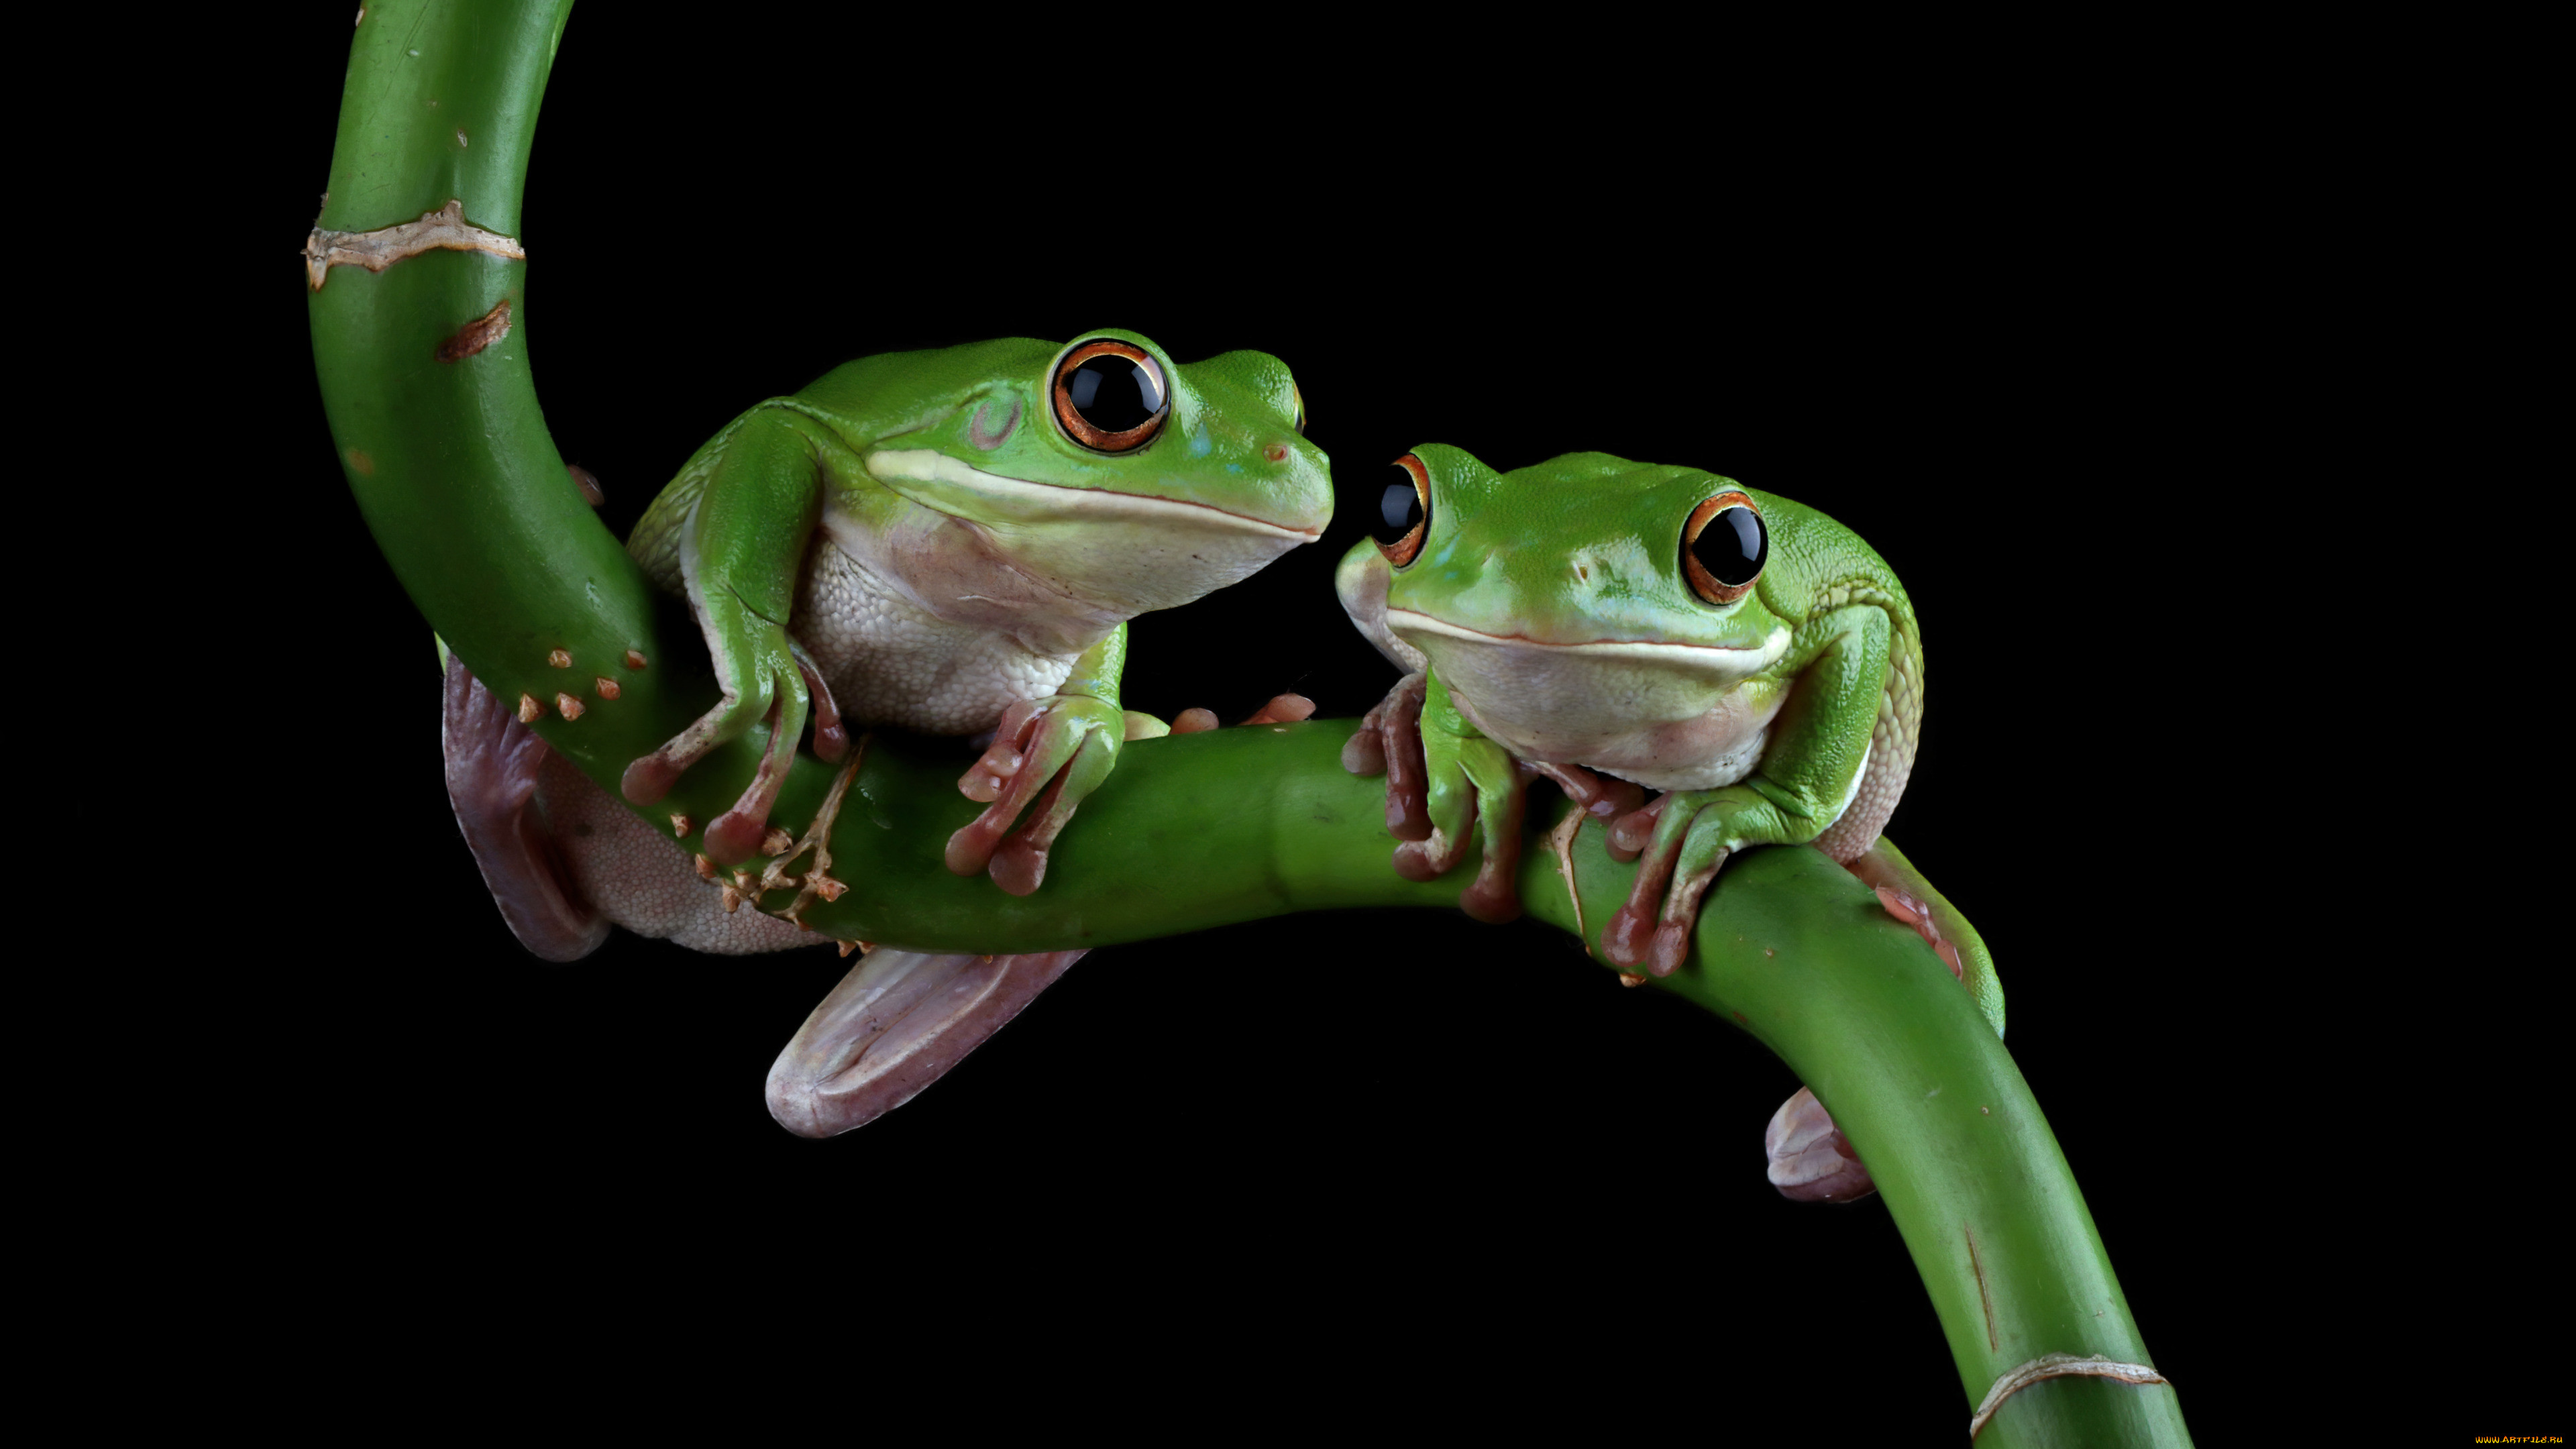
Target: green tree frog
961,536
950,541
1744,655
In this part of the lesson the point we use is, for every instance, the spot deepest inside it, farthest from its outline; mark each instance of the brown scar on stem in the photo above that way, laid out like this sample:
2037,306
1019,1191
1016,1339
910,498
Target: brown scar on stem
681,825
588,483
567,706
362,463
1984,1301
776,842
529,709
560,658
607,687
634,659
444,229
2055,1366
478,334
706,868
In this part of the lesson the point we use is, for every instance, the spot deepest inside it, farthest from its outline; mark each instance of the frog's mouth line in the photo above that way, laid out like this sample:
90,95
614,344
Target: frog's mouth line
1019,499
1708,658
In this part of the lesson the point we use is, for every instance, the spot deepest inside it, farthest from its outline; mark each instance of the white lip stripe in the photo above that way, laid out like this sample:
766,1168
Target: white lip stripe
1703,656
931,465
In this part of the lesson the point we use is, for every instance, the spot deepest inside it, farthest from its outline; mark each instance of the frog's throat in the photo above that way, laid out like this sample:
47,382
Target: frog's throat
1708,660
943,483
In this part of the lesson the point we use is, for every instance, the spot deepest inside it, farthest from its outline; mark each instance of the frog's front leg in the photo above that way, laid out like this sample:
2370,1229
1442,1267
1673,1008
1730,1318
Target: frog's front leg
1468,780
1046,758
1444,774
1808,776
741,547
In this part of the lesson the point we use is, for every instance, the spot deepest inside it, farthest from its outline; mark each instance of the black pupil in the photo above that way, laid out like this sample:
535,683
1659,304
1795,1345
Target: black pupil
1731,546
1399,508
1114,393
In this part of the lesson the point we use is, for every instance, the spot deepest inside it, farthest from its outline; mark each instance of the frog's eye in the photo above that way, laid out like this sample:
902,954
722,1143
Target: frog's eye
1403,512
1723,546
1109,395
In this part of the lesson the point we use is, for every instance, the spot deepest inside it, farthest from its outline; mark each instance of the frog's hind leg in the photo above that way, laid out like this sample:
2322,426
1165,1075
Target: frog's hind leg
1810,1159
493,760
896,1023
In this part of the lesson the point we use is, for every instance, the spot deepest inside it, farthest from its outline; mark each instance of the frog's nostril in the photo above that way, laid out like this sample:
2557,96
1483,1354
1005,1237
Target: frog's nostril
1276,452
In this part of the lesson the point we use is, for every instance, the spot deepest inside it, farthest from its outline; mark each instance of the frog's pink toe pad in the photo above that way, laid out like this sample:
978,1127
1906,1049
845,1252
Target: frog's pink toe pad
648,779
1811,1160
1018,867
735,837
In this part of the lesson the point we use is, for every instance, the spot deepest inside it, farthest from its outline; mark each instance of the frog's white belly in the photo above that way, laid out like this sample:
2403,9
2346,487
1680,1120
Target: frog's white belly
1669,717
889,661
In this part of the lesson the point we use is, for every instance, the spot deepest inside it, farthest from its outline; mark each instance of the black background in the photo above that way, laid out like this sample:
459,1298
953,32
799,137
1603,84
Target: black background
2067,378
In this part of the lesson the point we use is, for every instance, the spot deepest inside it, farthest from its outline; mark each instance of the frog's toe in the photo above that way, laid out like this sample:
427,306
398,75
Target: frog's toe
831,733
1408,772
1633,831
650,778
1605,798
1282,709
1914,911
1811,1160
1364,753
1629,937
896,1023
1652,928
1065,751
735,836
1421,860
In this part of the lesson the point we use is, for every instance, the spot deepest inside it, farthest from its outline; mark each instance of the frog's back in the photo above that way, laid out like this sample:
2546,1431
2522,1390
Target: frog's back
1817,566
871,398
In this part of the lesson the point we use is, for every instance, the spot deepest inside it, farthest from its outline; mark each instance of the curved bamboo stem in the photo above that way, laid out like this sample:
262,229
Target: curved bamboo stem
425,374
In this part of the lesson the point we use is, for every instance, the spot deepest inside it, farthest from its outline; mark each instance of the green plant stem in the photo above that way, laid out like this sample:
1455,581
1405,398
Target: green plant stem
453,468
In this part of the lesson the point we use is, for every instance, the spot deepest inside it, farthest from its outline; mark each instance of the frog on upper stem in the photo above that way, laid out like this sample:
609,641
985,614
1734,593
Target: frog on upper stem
1744,655
949,541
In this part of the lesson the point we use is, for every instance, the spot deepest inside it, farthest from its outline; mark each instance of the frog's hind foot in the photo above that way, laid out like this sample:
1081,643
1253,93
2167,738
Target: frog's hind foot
896,1023
1811,1160
784,853
493,760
